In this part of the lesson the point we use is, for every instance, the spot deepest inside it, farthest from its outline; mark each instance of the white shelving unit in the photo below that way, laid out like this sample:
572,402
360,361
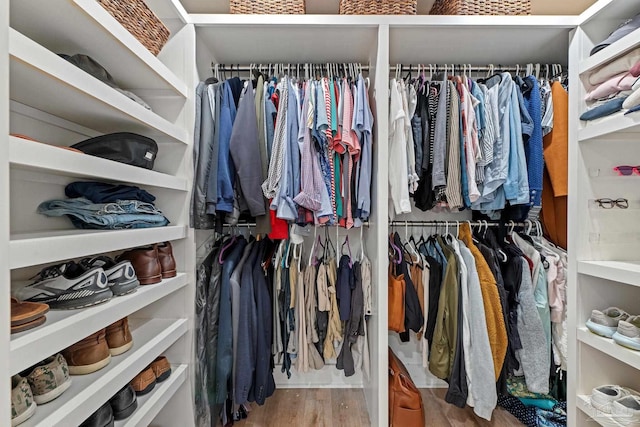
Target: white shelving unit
60,105
57,104
601,273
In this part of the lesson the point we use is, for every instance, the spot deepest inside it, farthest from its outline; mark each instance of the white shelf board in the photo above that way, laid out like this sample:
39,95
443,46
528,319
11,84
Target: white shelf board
611,52
610,10
83,26
609,125
31,155
43,247
609,347
618,271
65,327
41,79
150,405
88,392
605,420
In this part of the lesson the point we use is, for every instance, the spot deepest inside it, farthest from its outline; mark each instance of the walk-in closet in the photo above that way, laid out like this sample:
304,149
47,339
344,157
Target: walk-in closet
218,217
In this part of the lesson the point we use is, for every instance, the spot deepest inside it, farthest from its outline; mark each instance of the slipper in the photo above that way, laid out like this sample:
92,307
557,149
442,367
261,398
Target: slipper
26,312
29,325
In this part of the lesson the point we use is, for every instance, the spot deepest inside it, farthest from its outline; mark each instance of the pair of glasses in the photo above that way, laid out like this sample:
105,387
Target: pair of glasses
611,203
627,170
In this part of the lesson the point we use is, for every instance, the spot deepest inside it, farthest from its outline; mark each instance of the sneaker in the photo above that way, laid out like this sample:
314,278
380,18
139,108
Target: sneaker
605,322
628,333
22,404
122,277
602,397
49,379
626,411
67,286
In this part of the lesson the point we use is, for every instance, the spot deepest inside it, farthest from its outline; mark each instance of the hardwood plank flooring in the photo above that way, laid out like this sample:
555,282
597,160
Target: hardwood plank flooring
347,408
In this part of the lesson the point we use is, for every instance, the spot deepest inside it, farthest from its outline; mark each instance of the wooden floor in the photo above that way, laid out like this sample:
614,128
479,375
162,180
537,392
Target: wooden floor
347,408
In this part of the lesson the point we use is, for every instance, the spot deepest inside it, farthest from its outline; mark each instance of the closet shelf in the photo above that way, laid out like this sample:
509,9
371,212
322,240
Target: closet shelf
608,125
615,50
605,420
150,405
609,347
88,392
31,155
43,80
43,247
65,327
618,271
83,26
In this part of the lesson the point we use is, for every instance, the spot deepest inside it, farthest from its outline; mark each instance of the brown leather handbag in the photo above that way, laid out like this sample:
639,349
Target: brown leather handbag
405,402
397,287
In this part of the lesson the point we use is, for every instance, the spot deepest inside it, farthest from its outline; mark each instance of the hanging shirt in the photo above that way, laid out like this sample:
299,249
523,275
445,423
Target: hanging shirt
398,179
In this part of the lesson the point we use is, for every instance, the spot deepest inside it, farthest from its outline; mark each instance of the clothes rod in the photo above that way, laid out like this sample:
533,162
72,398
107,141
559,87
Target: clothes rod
253,225
450,222
291,67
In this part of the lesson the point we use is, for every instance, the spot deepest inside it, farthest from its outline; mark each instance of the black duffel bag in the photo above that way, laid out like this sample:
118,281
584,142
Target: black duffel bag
124,147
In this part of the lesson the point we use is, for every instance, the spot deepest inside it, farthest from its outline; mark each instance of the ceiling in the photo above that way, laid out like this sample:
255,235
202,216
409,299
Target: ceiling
539,7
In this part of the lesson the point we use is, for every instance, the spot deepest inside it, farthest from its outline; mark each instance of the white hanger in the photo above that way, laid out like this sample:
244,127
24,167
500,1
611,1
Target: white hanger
457,229
313,246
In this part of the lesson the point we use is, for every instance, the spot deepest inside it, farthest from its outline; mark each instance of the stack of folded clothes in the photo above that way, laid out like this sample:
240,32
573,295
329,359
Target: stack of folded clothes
96,205
614,86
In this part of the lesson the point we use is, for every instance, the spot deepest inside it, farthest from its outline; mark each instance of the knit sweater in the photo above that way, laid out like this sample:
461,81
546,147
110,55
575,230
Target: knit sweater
533,147
491,300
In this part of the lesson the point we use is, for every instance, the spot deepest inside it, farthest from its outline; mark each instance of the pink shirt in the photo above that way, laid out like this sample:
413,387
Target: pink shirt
623,81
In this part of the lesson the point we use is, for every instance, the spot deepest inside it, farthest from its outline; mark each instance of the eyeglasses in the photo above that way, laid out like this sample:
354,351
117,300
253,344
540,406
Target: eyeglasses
627,170
611,203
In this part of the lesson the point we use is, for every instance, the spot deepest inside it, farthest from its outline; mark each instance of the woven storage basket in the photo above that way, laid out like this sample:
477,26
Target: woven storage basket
287,7
481,7
140,21
378,7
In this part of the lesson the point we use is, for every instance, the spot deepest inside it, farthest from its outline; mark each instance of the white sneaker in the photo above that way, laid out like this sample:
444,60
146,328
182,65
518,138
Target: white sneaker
602,397
628,333
605,323
626,411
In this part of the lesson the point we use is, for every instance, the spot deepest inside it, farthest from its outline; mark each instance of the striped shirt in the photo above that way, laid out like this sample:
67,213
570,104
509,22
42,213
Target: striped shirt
454,186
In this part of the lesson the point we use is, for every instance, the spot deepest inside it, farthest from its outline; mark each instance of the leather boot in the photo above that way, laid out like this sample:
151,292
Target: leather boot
88,355
119,337
146,264
167,261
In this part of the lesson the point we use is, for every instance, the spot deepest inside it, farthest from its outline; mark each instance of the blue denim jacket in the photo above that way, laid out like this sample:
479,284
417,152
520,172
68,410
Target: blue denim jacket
122,214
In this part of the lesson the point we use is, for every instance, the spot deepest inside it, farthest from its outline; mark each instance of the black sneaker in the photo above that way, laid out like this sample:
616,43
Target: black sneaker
67,286
122,277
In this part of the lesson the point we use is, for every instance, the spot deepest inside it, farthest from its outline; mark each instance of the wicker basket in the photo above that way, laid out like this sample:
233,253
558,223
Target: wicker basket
286,7
140,21
481,7
378,7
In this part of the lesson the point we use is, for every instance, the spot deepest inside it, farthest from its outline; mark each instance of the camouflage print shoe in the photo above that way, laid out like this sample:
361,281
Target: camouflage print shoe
22,404
49,379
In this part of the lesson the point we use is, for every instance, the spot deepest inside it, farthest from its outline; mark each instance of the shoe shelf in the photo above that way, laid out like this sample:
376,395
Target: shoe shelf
43,247
88,392
83,26
605,420
609,347
150,405
43,80
66,327
618,271
30,155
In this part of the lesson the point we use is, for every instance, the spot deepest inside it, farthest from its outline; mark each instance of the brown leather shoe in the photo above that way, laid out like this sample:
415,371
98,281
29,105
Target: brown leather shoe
146,264
88,355
119,337
144,382
167,261
161,368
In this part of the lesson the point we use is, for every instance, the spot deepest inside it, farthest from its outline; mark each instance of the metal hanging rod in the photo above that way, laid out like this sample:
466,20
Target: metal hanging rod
245,68
454,223
253,225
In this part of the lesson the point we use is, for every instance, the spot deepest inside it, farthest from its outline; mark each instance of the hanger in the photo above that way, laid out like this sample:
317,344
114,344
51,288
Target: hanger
346,242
